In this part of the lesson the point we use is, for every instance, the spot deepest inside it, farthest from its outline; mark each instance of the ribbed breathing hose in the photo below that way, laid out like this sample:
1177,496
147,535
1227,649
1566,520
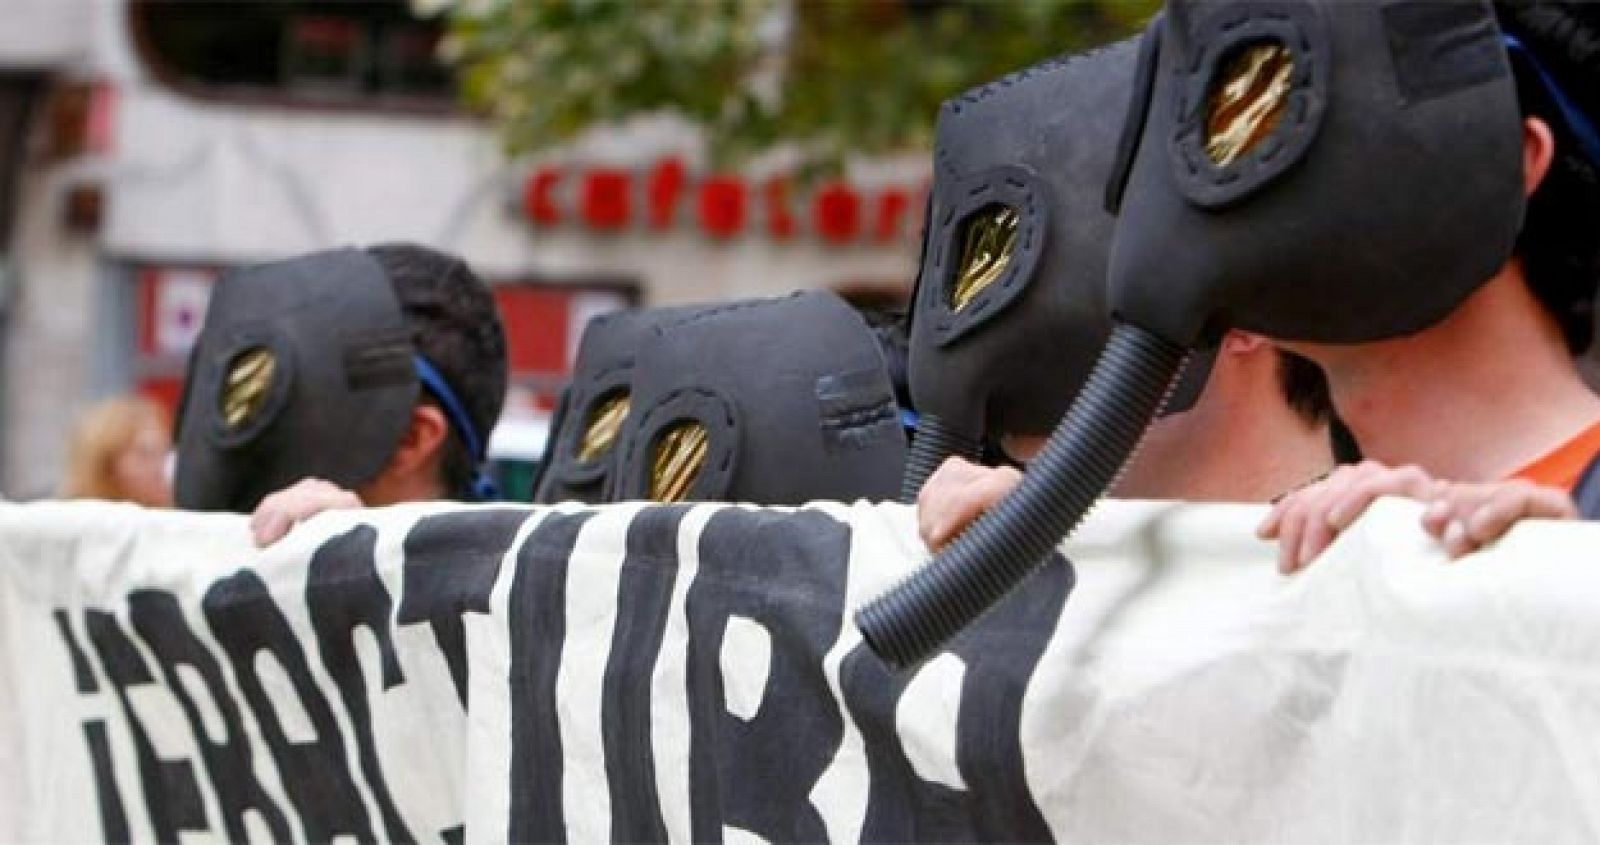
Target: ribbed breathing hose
933,444
1080,461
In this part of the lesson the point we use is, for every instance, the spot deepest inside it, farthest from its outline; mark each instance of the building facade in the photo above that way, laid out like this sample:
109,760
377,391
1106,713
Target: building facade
136,165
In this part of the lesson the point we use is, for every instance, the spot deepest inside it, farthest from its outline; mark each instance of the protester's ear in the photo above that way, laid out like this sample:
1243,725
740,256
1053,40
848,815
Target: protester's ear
1538,150
1242,343
423,441
412,472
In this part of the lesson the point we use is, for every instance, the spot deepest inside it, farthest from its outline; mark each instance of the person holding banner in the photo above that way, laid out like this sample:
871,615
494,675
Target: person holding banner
345,378
1010,312
1485,416
1490,398
1260,427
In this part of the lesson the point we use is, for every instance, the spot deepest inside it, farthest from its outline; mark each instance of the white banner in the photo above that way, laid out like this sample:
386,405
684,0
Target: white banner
487,674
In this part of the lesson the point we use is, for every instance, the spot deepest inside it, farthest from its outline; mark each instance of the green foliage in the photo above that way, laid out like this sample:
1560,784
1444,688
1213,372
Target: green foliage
832,76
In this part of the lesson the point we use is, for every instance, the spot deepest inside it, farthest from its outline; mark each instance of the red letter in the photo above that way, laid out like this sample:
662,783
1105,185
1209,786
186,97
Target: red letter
606,202
836,213
665,185
722,202
780,221
892,205
536,200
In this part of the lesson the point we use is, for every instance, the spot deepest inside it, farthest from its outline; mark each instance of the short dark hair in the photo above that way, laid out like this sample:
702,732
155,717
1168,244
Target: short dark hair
1305,389
888,327
1558,243
456,326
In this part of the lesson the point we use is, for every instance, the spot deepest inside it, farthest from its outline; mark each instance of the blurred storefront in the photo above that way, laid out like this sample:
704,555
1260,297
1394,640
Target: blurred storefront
169,141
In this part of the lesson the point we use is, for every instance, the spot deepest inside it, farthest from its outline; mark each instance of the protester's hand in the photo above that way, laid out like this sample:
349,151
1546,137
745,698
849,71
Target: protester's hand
282,510
956,494
1467,517
1307,521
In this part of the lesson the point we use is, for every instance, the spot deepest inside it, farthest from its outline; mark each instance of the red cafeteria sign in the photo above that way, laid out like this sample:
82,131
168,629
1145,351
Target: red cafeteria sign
608,199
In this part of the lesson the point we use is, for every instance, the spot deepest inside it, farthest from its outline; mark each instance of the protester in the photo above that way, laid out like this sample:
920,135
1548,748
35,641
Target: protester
798,374
776,401
1260,428
1010,313
580,450
119,453
1485,416
373,377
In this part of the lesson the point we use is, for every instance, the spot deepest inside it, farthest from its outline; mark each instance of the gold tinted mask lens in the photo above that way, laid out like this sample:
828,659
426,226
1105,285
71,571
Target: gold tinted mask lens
245,391
604,426
988,240
1247,101
678,459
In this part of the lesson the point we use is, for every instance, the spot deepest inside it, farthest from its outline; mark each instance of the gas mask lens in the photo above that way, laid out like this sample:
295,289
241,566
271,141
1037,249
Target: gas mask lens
988,241
679,456
1246,100
604,424
249,379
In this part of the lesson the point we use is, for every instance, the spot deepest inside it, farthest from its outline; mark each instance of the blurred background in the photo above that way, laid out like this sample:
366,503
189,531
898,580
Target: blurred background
582,155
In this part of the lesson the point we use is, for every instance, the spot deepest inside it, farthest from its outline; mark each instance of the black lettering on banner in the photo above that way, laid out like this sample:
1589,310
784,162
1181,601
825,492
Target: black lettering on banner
171,792
1000,651
538,626
113,819
158,619
81,673
246,621
787,572
644,598
451,563
344,592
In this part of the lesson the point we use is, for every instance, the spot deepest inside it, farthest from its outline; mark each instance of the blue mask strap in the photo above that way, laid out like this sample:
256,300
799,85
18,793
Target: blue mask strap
1578,123
482,488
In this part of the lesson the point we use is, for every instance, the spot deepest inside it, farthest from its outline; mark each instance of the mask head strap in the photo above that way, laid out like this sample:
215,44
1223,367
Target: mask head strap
433,381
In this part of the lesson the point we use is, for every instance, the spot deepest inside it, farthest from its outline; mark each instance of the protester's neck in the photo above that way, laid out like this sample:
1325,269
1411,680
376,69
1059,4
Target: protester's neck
1261,451
1239,465
1475,398
393,489
1240,443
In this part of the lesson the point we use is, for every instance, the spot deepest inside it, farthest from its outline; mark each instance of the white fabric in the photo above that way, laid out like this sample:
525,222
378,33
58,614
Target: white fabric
1188,693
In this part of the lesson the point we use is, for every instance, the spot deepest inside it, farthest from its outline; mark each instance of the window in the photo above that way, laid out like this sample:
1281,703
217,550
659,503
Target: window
329,52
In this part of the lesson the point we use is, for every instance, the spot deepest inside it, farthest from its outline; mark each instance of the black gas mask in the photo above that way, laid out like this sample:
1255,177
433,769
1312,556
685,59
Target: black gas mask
581,454
776,402
304,368
1320,170
1010,309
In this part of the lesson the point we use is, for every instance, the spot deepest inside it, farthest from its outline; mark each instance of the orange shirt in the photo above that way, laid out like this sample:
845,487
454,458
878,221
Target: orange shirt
1562,466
